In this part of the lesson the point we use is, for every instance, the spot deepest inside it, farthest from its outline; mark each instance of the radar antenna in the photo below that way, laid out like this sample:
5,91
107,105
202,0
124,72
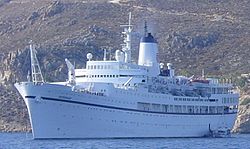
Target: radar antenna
36,73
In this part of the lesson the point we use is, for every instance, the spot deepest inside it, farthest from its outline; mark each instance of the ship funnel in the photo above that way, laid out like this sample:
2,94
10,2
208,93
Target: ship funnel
148,54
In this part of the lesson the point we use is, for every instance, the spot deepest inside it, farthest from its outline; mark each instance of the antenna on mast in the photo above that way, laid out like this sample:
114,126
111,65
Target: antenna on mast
129,19
36,73
145,28
127,39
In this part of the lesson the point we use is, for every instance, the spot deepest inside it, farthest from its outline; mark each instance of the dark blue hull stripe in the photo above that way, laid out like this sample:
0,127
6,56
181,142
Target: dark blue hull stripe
124,109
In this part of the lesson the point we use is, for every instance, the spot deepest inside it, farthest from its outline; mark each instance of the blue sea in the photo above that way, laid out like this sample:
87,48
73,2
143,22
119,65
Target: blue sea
25,141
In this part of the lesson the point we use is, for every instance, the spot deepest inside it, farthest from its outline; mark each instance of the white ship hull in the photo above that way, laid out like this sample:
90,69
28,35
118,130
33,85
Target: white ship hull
54,115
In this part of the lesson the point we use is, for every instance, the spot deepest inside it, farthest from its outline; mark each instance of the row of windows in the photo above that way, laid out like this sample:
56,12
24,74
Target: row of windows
229,100
99,76
101,67
185,108
123,66
195,99
220,90
144,94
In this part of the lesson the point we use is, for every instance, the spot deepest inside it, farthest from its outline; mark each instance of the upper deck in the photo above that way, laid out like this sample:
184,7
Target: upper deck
111,72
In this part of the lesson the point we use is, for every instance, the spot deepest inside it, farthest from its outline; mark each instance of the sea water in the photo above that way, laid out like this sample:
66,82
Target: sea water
25,141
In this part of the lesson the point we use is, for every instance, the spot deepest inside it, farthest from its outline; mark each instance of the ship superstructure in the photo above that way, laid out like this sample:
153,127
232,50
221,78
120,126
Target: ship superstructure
120,99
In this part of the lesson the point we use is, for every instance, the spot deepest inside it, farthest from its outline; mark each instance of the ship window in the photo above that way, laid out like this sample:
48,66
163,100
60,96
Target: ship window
171,108
213,90
94,66
212,109
197,109
101,76
184,109
165,108
91,67
220,109
190,109
203,109
156,107
104,76
143,106
98,66
101,67
177,108
88,67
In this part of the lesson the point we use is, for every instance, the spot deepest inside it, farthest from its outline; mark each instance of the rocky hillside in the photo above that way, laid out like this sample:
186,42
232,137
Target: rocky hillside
242,124
192,34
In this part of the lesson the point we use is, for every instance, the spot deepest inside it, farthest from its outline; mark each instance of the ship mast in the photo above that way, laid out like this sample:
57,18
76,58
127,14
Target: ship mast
127,40
36,73
145,29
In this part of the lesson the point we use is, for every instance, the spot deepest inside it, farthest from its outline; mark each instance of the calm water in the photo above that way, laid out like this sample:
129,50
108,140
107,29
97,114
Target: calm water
25,141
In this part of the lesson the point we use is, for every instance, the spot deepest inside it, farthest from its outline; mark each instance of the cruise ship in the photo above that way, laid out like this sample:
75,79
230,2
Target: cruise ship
120,98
